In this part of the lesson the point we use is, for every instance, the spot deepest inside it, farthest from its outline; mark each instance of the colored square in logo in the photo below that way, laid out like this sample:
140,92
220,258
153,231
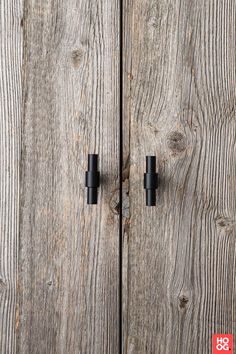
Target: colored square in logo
222,343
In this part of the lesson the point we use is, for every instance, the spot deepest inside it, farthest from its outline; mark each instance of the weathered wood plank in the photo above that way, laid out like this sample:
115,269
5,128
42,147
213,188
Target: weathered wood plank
68,250
11,48
180,89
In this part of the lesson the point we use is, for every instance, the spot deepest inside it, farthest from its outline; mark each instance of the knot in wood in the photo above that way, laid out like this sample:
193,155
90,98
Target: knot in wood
183,300
176,142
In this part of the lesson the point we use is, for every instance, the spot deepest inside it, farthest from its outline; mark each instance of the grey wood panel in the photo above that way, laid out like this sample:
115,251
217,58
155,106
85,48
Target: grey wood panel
179,103
11,49
69,272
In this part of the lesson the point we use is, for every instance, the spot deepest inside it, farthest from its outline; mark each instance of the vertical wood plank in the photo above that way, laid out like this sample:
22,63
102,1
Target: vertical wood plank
69,251
11,47
179,94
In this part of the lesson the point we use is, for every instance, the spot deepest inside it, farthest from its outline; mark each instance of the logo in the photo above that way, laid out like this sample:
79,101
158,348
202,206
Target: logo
222,343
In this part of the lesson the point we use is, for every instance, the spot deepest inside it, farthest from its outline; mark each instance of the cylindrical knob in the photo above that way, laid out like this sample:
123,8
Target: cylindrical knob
92,179
92,196
150,180
92,162
151,164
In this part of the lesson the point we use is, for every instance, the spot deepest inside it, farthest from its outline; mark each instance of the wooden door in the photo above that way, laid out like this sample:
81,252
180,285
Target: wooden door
59,271
60,96
180,105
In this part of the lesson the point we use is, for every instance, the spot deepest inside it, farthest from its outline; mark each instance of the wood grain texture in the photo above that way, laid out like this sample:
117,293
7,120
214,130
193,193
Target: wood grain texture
69,274
11,48
180,104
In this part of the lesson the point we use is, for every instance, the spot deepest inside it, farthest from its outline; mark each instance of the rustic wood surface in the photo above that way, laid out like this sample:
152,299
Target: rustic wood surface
180,104
11,49
59,101
69,251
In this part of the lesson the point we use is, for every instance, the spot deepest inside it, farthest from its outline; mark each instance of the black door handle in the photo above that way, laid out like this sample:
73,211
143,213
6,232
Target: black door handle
150,180
92,179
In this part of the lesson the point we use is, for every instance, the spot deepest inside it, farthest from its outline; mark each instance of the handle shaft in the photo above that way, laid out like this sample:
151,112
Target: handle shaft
92,179
150,180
